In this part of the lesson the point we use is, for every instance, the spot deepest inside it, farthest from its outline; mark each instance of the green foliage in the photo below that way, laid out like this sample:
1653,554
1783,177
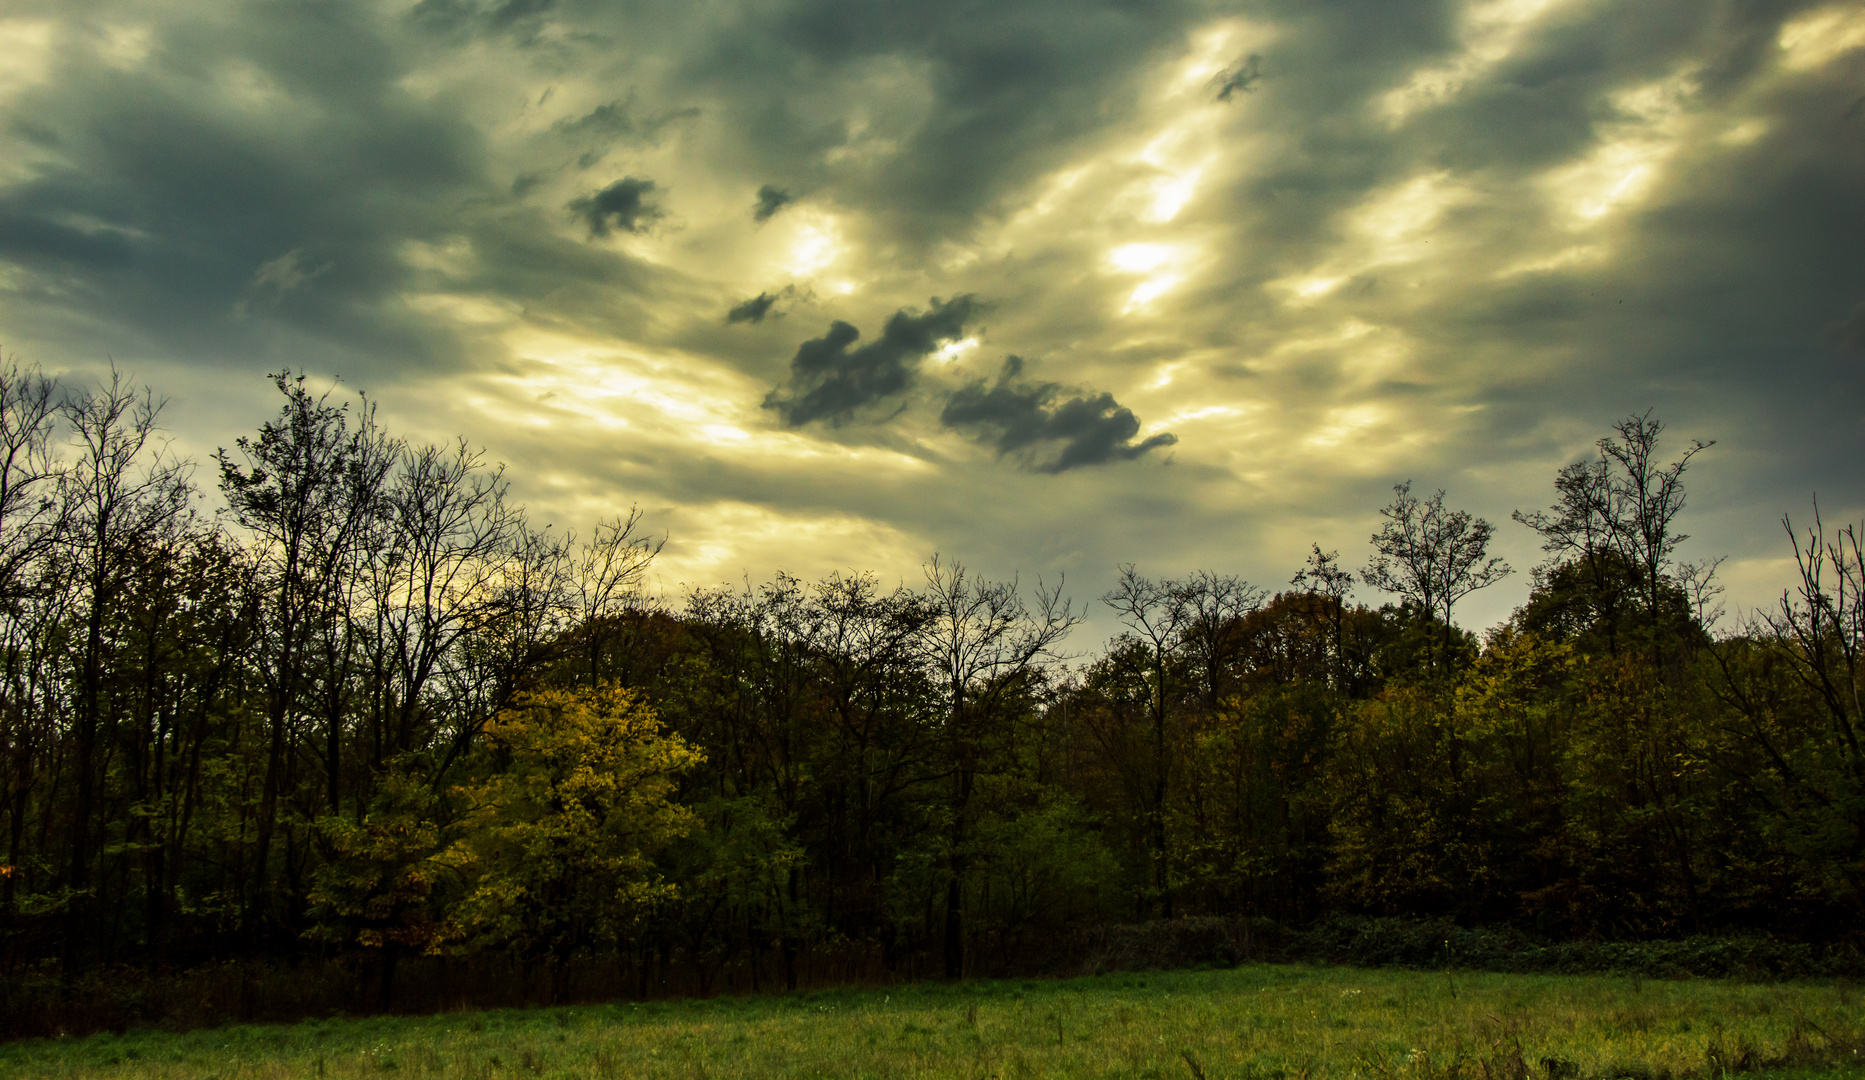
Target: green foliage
375,889
1400,796
1042,867
733,871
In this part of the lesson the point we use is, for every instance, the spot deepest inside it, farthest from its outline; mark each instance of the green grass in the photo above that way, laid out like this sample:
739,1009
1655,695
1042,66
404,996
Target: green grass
1260,1022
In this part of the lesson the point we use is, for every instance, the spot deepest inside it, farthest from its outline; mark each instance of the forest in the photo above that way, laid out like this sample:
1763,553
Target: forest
333,700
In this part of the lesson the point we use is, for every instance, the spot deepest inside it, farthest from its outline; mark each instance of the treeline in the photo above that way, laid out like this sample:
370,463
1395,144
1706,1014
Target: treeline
368,712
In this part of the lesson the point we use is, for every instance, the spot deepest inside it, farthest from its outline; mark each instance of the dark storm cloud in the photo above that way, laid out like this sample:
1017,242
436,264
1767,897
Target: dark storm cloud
1326,146
28,235
1026,419
1552,97
165,190
158,215
1739,257
771,199
830,381
514,11
622,205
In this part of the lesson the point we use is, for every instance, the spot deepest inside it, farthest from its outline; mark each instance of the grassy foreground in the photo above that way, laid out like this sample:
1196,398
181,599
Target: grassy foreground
1261,1022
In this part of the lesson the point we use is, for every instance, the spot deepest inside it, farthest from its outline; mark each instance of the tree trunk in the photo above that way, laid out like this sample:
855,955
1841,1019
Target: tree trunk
955,926
77,914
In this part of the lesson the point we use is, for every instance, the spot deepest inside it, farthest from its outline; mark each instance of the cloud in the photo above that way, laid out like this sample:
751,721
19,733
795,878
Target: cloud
28,236
771,199
767,305
1023,419
622,205
1239,78
752,310
921,116
1434,225
520,16
829,381
1851,330
619,122
190,152
286,272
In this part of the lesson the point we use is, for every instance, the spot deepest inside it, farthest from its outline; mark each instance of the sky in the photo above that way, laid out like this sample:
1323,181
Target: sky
1043,287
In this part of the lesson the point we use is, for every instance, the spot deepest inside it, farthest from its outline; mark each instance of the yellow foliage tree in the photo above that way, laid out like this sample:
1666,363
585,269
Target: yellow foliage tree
559,847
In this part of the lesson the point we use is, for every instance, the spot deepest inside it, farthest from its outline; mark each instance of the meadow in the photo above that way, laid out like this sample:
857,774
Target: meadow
1258,1021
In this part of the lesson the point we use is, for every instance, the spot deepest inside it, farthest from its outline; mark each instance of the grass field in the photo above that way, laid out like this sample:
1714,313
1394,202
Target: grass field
1260,1022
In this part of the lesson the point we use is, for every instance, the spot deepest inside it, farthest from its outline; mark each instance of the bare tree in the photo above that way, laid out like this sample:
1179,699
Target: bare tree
436,583
532,597
31,517
1648,497
1702,590
607,579
29,512
1215,605
1579,534
1185,630
1432,556
1823,620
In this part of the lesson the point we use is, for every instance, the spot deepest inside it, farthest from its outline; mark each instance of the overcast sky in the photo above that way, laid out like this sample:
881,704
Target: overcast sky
1042,286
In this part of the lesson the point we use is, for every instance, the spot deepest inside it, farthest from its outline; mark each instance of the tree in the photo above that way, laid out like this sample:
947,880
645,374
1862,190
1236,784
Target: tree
866,649
121,492
1325,579
1158,616
437,583
750,711
523,626
1824,619
983,643
307,495
1795,684
1609,534
607,578
560,846
29,512
1216,605
1432,556
310,497
31,518
373,891
1647,497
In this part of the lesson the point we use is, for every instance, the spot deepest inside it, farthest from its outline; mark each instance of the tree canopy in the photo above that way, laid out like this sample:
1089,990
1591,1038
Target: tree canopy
372,713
